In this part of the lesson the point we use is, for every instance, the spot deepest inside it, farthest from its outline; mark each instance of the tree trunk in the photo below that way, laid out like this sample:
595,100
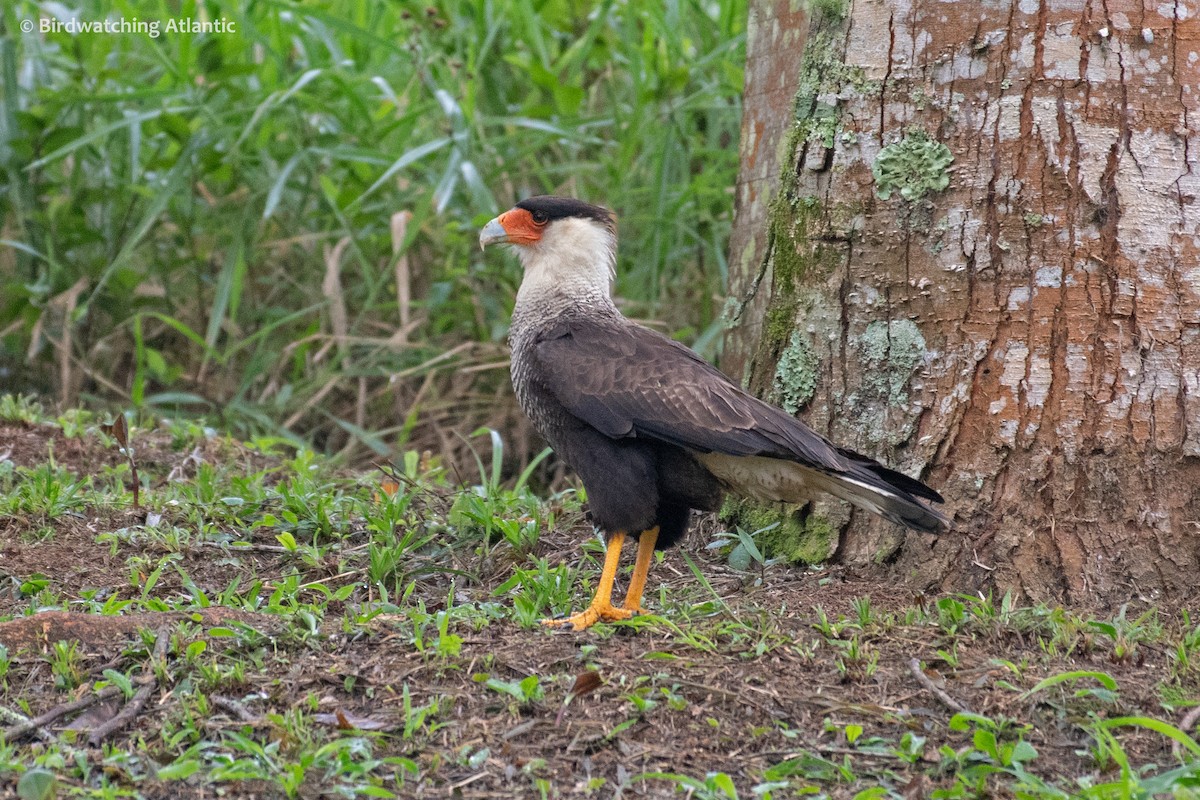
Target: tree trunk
1020,325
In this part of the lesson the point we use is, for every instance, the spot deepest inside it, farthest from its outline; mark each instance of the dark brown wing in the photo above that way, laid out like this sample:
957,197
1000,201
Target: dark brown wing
626,380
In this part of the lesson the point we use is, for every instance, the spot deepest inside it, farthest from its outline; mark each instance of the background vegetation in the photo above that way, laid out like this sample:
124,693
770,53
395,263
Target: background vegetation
276,229
278,226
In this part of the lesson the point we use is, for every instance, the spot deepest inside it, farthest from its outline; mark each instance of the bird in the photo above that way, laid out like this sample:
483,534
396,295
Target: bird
653,430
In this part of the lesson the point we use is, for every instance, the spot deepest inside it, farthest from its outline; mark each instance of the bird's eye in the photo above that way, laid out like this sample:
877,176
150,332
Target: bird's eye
539,217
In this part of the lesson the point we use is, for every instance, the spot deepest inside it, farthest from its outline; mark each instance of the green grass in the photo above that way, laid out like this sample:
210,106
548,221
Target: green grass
208,223
380,597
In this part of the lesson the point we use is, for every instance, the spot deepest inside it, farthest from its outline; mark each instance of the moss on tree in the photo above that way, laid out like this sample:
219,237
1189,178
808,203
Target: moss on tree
796,254
798,538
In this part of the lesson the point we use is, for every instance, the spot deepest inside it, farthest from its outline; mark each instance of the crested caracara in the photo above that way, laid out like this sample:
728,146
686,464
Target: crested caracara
653,430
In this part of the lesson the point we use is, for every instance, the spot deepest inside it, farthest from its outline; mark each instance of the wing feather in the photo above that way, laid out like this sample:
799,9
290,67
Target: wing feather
626,380
629,381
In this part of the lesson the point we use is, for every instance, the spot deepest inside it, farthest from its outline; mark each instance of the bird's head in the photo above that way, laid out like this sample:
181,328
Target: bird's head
561,242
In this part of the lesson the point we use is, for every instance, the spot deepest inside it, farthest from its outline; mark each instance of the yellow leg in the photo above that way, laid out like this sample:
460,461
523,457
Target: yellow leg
641,568
601,607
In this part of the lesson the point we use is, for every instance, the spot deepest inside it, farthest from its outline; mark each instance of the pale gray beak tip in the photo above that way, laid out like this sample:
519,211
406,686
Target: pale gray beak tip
492,233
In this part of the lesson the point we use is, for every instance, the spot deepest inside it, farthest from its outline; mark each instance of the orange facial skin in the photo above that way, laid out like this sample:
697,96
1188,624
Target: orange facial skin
520,226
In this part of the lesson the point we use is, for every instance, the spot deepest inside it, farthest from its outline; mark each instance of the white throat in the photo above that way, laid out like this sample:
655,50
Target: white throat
572,264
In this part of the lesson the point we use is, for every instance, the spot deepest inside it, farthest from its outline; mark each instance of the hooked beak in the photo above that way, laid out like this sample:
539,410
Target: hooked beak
492,233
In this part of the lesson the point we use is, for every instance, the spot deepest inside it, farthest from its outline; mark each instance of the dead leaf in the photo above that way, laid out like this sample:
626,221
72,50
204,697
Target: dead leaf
119,430
585,683
332,288
916,788
399,227
96,716
345,721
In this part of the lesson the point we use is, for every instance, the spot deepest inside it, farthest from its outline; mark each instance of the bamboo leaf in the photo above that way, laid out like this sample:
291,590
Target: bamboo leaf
410,157
172,183
1054,680
277,187
235,265
1158,726
100,133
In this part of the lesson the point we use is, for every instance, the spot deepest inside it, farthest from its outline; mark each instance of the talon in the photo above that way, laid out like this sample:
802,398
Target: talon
594,613
601,607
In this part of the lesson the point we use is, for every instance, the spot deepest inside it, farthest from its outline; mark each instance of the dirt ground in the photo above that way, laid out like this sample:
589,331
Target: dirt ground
739,679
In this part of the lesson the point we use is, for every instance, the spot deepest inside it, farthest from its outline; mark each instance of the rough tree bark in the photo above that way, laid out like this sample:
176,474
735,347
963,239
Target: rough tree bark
1019,326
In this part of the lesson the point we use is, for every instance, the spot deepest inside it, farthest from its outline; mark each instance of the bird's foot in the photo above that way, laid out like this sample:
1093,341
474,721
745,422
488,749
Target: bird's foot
596,612
637,610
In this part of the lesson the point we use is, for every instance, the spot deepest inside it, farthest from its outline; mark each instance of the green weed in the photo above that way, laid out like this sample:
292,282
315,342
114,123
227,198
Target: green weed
45,491
20,408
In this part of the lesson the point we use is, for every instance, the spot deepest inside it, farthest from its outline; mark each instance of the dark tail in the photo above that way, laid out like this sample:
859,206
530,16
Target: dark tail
892,494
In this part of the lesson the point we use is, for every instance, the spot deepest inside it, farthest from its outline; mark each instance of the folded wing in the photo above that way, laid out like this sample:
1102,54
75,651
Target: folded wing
628,381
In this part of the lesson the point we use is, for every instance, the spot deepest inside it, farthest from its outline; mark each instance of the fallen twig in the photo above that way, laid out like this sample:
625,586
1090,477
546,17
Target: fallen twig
36,632
124,717
466,781
1189,720
734,696
829,750
112,663
134,707
979,563
26,726
1186,724
233,707
914,666
23,725
241,547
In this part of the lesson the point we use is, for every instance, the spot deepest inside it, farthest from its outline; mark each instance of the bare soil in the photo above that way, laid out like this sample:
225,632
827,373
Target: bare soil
720,703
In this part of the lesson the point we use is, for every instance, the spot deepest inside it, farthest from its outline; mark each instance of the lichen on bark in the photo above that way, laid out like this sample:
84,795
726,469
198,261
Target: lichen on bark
891,353
915,166
796,374
1021,327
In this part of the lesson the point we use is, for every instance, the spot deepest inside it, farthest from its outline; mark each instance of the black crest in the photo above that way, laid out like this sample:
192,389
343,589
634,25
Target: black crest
562,207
